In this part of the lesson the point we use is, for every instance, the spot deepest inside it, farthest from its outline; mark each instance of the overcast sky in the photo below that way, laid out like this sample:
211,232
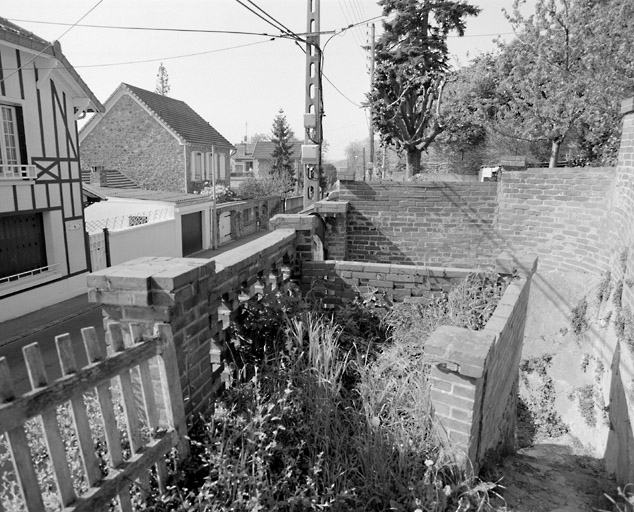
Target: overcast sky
236,82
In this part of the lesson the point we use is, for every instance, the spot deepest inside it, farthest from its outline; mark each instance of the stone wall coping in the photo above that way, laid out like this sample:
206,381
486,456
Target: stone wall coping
524,264
253,249
459,350
390,268
331,206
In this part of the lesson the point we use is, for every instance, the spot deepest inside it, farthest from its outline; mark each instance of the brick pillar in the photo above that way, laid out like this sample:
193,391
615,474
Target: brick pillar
335,215
171,290
457,384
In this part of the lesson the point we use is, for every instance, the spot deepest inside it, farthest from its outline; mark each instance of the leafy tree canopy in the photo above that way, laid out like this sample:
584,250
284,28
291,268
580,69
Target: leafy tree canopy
562,78
411,63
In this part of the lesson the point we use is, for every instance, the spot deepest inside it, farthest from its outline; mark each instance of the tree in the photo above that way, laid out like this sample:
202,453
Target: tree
260,137
162,81
564,75
411,64
282,137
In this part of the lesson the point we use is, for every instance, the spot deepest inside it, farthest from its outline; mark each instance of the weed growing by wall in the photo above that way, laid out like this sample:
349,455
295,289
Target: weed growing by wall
541,396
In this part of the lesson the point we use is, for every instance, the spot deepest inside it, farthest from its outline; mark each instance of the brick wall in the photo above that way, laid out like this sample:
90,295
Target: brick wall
474,375
338,282
197,298
128,139
562,215
421,223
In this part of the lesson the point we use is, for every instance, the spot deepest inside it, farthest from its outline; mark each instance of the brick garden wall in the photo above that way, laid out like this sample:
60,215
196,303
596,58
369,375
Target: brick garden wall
474,378
559,214
197,297
432,224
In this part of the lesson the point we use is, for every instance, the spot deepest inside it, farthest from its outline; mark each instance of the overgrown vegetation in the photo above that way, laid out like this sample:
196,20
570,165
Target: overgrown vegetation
328,412
541,399
332,412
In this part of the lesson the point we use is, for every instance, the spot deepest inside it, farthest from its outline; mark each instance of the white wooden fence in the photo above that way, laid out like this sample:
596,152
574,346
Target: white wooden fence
128,367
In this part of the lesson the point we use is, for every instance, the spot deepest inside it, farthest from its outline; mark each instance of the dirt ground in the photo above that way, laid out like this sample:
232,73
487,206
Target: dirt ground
559,466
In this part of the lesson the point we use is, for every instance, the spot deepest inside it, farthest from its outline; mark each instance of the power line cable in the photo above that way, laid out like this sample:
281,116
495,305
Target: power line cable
288,31
275,24
4,79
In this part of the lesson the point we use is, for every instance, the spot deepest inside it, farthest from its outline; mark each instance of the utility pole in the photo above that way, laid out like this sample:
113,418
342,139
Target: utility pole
371,164
311,150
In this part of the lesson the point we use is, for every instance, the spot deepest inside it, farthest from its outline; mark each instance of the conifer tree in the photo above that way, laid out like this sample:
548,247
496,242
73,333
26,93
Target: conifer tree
162,81
282,137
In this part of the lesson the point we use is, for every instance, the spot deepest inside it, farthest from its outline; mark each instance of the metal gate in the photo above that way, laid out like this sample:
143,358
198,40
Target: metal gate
192,233
22,246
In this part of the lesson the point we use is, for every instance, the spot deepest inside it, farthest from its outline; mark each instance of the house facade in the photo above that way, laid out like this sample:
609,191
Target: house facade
158,142
43,254
256,160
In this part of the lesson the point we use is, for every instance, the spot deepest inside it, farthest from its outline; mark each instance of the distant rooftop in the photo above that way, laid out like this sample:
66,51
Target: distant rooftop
180,117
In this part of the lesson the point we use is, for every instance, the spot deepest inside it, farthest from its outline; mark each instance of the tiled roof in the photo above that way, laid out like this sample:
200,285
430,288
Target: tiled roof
14,34
264,150
178,198
114,179
180,117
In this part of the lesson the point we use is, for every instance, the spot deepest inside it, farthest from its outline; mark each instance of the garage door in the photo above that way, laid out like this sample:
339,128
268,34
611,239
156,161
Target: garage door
192,230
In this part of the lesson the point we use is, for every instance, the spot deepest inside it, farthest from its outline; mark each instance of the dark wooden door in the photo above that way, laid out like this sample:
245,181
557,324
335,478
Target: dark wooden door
22,245
192,233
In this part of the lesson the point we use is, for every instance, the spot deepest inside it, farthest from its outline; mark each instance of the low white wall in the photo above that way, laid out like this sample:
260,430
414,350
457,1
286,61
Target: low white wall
159,239
44,296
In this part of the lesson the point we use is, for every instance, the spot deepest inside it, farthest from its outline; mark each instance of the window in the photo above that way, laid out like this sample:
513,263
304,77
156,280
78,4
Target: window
12,149
209,166
223,172
197,166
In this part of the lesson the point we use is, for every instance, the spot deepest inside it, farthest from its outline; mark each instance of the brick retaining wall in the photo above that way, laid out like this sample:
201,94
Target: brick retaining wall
421,223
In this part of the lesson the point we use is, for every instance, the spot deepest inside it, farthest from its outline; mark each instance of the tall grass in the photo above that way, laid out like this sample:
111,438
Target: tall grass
321,428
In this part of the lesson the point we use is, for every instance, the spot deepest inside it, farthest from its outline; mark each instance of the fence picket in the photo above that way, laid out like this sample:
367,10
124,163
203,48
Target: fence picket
54,441
80,415
130,357
19,448
147,387
171,387
96,351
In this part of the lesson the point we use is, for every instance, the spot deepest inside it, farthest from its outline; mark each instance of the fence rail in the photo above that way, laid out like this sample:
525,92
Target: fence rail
129,220
130,367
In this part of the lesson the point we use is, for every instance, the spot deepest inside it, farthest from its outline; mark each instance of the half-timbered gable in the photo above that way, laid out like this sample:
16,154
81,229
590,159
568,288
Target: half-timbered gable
42,241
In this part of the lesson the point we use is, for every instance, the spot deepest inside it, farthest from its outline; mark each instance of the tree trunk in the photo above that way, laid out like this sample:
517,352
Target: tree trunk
413,163
554,153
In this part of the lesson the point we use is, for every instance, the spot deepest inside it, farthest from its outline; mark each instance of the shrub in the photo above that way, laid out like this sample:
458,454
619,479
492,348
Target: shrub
261,187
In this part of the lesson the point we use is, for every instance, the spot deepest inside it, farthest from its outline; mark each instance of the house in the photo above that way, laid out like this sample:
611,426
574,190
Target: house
256,160
158,142
43,254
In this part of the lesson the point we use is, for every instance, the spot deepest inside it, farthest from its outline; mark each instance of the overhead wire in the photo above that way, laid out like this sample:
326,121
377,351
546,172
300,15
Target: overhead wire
50,44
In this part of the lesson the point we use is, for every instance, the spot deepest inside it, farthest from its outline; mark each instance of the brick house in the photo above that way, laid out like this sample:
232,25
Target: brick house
159,142
255,160
43,254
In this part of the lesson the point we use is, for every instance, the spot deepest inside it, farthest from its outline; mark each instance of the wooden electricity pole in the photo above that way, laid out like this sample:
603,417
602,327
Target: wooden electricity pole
311,150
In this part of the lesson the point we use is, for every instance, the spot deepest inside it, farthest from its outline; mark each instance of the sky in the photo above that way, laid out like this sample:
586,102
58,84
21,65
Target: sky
237,82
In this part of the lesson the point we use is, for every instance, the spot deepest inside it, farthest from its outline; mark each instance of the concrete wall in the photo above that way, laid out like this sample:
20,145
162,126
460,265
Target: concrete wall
159,239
